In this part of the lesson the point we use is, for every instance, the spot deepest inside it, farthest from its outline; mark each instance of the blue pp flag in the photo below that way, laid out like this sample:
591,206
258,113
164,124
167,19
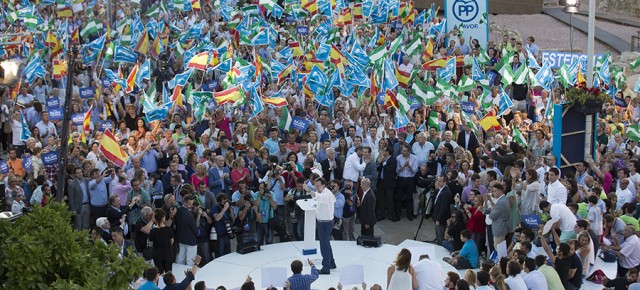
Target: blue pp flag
123,54
25,133
180,79
255,103
449,71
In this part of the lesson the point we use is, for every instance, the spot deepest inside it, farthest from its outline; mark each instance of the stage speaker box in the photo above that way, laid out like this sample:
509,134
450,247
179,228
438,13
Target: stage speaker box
248,247
369,241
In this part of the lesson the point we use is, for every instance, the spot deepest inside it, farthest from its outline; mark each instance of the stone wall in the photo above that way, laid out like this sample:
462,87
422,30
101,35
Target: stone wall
625,7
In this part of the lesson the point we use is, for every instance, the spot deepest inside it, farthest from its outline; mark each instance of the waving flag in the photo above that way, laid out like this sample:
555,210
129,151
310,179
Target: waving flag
25,133
199,61
180,79
544,77
423,93
505,104
518,137
633,132
285,73
255,103
403,78
476,71
390,100
449,71
285,119
111,149
389,81
275,102
59,69
123,54
489,122
531,60
230,96
131,80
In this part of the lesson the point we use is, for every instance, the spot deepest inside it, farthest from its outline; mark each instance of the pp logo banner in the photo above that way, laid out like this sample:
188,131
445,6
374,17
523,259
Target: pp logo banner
465,11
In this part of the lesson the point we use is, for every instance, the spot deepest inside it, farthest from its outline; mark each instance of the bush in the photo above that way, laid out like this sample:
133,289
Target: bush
42,251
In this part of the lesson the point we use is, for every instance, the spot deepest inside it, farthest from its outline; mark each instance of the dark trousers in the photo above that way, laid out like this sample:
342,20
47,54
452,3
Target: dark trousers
406,187
385,201
490,240
324,236
337,233
440,232
97,212
163,259
366,232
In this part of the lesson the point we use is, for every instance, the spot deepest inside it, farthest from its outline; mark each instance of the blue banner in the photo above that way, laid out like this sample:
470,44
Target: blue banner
491,77
299,124
468,107
77,119
302,30
26,163
106,125
55,114
53,102
105,82
4,168
557,58
531,221
50,158
87,93
620,102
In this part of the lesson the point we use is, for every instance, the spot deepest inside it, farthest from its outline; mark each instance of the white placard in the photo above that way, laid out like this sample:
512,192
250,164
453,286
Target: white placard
273,276
352,275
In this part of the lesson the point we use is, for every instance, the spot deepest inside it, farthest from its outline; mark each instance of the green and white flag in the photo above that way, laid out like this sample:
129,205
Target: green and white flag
465,84
285,119
30,20
414,47
377,54
486,102
11,15
520,76
633,132
403,101
635,64
395,45
563,75
424,93
507,75
483,57
251,10
485,18
90,28
518,137
433,120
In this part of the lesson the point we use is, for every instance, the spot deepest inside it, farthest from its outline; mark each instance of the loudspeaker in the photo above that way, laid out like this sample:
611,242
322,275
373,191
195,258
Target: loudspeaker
369,241
247,247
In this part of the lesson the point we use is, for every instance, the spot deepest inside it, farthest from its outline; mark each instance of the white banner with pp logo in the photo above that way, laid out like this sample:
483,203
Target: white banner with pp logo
472,16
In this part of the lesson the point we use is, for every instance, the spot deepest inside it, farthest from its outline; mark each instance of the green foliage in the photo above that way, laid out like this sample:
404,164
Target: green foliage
580,94
42,251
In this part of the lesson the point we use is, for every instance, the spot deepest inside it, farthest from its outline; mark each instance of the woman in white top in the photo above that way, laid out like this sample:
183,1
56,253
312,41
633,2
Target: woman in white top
401,276
530,199
313,146
514,280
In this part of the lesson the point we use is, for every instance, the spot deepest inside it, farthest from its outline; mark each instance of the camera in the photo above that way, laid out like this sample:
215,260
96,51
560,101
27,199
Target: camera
288,167
232,203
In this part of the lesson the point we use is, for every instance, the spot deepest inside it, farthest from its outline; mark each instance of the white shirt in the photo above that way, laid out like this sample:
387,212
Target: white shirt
635,178
556,193
325,204
516,283
429,275
353,167
560,212
624,196
630,251
535,280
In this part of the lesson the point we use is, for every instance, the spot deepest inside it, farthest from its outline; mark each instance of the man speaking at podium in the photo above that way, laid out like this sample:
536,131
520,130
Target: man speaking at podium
324,216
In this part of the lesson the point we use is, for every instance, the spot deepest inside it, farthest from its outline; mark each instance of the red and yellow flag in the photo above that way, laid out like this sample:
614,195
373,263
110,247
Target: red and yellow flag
176,97
59,69
131,80
428,51
86,123
16,89
51,40
229,96
286,72
75,36
275,102
199,61
403,78
296,50
258,63
112,151
390,100
143,43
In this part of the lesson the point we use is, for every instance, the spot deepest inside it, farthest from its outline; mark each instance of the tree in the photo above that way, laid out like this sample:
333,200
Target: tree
42,250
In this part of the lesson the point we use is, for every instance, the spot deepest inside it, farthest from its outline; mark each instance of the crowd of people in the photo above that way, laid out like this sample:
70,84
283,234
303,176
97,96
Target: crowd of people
344,125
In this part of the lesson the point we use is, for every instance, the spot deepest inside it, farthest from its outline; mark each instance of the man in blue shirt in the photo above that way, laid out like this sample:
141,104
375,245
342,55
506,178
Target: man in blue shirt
338,208
467,258
98,194
299,281
151,275
272,142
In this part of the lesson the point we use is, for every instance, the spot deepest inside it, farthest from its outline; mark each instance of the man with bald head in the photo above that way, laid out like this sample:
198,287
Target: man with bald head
367,208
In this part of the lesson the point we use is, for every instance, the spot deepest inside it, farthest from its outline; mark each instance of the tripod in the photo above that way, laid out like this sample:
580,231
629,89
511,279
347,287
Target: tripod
428,204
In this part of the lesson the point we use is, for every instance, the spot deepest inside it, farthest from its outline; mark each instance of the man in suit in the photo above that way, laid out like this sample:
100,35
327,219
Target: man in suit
166,178
367,208
186,232
219,177
79,201
505,155
441,207
499,213
331,168
224,147
469,142
125,247
387,184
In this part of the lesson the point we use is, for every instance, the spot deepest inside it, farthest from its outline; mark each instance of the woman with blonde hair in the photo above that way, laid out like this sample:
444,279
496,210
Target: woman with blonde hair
472,279
401,275
201,175
496,276
239,173
313,145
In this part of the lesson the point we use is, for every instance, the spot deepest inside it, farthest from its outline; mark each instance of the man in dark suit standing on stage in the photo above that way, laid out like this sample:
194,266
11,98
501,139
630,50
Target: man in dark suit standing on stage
331,168
367,208
468,140
387,184
441,207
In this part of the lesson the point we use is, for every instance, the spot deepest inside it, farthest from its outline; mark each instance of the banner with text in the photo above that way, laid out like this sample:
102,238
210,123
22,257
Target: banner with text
472,15
557,58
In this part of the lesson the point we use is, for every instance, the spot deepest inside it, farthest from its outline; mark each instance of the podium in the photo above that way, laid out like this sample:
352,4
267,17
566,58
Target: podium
309,243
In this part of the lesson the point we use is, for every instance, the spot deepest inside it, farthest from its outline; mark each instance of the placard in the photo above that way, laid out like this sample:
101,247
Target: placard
53,102
472,15
620,102
531,221
50,158
105,82
55,114
106,125
77,119
468,107
87,92
4,168
302,30
26,163
299,124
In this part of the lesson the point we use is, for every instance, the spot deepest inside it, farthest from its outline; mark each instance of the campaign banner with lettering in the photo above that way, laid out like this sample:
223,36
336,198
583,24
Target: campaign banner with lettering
53,102
557,58
491,76
620,102
106,125
302,30
472,15
50,158
55,114
87,92
299,124
4,168
26,163
531,221
468,107
77,119
105,82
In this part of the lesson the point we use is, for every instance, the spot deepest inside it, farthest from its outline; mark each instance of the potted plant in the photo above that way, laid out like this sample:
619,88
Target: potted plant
586,100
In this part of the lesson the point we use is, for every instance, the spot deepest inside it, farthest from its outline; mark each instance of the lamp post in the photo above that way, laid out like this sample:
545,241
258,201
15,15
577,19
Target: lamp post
571,6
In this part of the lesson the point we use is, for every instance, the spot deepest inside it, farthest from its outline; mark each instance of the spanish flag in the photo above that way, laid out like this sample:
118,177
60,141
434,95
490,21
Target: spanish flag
345,15
195,5
489,122
86,123
357,11
199,61
215,60
75,36
112,150
229,96
286,72
403,78
176,97
390,100
428,51
143,43
336,55
275,102
59,69
131,80
64,11
51,40
311,6
374,90
295,49
16,90
258,64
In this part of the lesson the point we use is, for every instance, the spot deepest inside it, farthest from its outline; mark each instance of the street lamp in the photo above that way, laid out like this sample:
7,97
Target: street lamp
570,6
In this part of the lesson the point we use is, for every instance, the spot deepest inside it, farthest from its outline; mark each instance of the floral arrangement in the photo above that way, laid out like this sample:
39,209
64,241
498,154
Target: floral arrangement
580,95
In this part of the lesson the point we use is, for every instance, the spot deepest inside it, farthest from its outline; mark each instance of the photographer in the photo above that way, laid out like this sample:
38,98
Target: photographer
294,214
266,207
203,223
349,213
275,186
222,214
248,216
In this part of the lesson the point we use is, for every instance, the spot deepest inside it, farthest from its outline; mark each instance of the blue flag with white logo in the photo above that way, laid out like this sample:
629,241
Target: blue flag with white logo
123,54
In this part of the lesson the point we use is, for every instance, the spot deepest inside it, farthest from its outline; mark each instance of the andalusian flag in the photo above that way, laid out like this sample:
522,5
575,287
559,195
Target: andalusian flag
633,132
433,120
424,93
635,64
518,137
230,96
112,150
465,84
285,119
403,101
414,46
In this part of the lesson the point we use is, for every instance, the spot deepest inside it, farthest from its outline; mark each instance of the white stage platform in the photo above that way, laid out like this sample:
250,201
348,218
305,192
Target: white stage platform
231,270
